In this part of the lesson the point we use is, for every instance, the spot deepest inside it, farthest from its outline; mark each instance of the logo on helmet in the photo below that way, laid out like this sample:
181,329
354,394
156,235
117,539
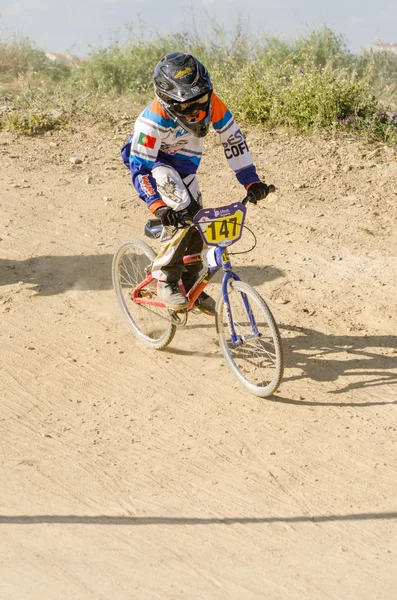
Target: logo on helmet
184,72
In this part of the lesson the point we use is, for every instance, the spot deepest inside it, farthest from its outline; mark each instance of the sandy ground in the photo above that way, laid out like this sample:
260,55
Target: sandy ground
131,473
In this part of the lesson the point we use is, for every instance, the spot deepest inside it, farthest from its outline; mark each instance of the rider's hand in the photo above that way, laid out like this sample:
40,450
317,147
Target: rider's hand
257,191
168,216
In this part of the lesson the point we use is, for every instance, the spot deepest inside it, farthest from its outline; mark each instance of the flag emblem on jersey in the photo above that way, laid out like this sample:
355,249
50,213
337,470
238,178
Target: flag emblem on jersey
146,140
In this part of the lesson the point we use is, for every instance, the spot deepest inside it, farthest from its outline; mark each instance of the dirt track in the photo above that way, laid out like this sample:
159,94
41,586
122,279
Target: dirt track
129,473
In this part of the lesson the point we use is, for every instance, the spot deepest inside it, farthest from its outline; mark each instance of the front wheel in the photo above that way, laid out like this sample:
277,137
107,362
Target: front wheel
255,354
152,325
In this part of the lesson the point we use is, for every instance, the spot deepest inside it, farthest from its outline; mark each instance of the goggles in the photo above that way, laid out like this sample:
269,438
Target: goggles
195,105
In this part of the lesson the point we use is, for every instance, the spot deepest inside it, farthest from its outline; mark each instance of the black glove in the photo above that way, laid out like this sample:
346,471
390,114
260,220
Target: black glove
257,191
169,217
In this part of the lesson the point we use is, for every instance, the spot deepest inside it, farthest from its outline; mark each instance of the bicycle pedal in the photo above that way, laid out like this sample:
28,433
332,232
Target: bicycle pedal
202,311
178,317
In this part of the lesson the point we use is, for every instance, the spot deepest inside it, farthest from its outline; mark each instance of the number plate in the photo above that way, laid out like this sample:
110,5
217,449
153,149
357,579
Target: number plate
221,226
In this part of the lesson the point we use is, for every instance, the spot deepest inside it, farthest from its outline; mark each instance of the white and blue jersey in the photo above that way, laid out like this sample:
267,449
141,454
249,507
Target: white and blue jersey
159,140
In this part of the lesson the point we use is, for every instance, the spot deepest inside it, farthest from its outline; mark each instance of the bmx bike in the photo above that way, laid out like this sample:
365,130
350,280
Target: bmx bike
247,331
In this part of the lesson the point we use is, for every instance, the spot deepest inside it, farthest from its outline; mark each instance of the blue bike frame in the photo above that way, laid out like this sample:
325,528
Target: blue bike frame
223,261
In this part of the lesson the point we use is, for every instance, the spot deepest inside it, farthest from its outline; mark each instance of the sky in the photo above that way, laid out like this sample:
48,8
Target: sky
77,25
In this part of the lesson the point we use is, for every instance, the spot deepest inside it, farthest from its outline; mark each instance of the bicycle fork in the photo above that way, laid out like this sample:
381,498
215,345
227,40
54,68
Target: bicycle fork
237,340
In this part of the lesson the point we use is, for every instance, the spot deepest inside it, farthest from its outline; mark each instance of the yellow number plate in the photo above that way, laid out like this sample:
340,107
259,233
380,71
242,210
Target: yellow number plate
221,227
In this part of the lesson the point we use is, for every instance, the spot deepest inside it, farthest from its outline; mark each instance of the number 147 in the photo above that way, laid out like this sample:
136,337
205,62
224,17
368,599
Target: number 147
224,229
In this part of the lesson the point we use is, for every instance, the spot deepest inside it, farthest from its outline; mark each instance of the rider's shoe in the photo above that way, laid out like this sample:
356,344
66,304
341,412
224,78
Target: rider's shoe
170,293
206,304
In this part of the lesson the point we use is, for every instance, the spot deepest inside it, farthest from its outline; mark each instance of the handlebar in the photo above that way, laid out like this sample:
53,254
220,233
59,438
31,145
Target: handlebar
271,190
188,222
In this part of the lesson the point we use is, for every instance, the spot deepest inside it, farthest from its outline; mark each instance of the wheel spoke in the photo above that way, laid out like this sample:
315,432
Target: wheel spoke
257,360
150,323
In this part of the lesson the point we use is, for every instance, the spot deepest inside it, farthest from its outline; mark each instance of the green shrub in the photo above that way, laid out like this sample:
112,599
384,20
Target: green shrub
40,108
128,67
324,48
121,69
304,99
380,68
28,122
20,56
378,126
312,82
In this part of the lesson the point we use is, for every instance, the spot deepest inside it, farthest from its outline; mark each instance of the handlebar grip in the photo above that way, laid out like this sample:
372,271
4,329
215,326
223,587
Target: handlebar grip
271,188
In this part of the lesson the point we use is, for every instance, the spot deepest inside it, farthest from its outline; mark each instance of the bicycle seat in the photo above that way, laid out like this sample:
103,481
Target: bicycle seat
153,228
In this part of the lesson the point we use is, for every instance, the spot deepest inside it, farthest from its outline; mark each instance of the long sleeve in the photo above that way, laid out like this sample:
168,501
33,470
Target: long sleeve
234,145
141,152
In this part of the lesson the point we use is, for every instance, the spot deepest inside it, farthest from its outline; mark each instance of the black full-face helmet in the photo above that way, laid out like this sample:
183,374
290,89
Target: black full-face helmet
183,88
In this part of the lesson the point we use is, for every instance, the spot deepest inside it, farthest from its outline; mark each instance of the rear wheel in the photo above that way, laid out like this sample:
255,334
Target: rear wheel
257,358
132,263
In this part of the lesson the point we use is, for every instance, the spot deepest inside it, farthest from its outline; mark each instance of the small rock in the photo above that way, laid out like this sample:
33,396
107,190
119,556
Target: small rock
53,144
75,160
347,168
88,179
107,199
56,114
373,153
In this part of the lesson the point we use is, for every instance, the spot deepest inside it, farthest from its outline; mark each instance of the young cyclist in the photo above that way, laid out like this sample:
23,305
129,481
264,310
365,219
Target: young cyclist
163,156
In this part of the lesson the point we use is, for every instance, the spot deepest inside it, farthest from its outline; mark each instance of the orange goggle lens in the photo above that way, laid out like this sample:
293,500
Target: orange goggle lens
184,106
196,116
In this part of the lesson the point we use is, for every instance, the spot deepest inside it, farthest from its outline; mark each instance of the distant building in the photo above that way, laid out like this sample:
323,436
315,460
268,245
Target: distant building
65,58
381,47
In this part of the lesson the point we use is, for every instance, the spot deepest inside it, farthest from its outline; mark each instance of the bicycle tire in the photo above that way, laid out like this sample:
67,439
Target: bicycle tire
267,371
150,324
